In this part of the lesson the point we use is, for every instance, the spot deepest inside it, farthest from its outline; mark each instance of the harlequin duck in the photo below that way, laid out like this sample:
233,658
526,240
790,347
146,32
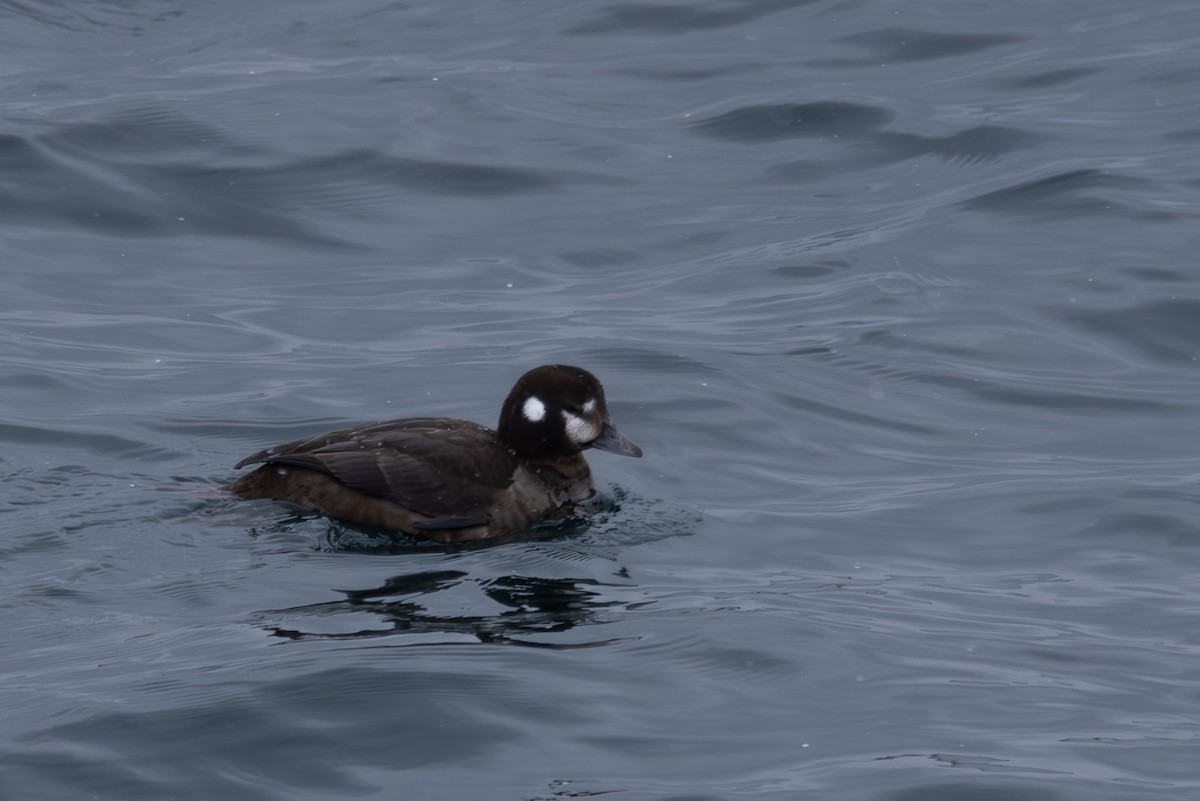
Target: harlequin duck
452,480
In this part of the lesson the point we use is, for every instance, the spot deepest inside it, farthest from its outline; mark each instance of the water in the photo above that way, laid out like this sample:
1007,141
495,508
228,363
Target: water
899,298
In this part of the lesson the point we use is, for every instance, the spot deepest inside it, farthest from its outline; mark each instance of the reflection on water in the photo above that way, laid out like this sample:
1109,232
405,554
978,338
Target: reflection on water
437,606
403,605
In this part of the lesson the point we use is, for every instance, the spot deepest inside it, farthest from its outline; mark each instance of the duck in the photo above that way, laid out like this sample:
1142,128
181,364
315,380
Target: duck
452,480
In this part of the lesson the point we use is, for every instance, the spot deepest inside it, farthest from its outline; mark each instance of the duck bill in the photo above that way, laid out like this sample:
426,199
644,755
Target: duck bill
614,441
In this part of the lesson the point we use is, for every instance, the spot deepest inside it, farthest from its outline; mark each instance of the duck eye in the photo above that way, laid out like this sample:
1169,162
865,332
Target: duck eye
572,408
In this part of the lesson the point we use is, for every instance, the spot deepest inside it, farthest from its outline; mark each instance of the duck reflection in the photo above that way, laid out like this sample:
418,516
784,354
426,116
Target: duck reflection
405,605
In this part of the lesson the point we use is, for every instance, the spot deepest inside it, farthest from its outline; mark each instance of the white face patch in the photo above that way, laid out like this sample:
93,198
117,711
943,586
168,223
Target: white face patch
534,410
580,431
590,406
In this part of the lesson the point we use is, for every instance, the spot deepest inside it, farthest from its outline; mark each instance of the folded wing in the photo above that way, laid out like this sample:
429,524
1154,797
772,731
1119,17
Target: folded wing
447,470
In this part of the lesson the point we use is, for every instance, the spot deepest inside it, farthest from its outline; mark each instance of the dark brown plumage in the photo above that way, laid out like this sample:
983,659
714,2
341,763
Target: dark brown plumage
452,480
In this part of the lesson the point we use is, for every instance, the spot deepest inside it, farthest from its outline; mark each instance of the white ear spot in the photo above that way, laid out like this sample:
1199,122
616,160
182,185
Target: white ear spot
534,410
590,406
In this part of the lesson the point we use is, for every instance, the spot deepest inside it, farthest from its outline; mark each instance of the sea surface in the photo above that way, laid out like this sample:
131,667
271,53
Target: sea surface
900,298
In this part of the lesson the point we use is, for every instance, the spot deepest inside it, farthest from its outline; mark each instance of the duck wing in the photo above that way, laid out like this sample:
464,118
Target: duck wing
448,470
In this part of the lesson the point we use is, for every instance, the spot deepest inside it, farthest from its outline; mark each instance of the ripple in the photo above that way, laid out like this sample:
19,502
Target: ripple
770,123
661,18
141,135
1069,194
82,177
907,44
1165,331
77,440
228,726
1025,391
47,18
991,790
1048,78
111,177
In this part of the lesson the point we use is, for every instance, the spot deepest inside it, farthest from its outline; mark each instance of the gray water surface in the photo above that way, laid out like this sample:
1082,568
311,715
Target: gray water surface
900,299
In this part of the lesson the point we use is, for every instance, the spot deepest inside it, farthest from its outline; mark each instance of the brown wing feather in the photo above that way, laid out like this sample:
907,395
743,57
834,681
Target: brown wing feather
451,469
